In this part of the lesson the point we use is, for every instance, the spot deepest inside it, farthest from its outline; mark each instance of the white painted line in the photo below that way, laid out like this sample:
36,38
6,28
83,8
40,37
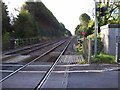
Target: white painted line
70,65
77,71
64,82
7,65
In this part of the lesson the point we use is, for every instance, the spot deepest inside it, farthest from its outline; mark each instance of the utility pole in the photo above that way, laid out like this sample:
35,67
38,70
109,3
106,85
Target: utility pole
96,30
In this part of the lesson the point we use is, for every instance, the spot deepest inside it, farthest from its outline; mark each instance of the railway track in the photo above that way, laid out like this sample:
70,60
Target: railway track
32,48
44,72
12,68
25,65
34,51
49,71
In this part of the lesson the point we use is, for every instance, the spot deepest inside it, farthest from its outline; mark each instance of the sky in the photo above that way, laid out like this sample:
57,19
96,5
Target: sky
66,11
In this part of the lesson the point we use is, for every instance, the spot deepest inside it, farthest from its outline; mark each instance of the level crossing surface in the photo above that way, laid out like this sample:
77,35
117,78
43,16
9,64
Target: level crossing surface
67,74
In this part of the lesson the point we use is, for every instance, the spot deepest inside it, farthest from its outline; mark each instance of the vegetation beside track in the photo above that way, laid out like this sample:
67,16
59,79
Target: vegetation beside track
34,20
103,58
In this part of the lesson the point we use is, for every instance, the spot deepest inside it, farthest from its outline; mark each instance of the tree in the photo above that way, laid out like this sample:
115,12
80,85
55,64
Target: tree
77,29
90,28
86,24
40,22
48,24
84,18
111,14
115,15
24,26
6,27
67,33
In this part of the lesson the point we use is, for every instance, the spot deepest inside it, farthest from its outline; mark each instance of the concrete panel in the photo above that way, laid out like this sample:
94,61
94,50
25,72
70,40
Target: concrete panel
108,35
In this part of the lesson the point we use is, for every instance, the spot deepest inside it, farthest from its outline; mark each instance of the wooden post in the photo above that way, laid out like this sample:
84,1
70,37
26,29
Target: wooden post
89,50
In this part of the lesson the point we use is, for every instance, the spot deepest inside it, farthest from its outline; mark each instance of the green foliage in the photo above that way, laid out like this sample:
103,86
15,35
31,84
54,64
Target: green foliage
36,20
5,40
24,26
83,62
113,13
68,33
103,58
6,27
86,25
79,49
84,18
77,30
99,43
45,17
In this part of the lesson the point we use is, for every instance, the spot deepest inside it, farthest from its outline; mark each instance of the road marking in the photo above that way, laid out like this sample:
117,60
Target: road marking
10,71
8,65
64,82
76,71
71,59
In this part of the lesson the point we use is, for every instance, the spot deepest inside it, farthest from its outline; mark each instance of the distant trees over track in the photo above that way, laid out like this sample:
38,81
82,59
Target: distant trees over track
34,20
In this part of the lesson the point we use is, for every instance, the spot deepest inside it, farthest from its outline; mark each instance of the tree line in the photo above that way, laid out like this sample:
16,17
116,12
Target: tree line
34,20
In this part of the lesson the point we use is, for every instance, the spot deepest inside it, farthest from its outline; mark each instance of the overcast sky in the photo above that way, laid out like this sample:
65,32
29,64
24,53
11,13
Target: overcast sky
66,11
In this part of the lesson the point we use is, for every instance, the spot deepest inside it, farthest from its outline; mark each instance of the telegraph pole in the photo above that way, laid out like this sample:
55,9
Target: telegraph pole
96,30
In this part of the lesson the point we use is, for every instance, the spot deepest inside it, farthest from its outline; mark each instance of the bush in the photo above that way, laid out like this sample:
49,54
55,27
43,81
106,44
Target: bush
79,49
99,44
103,58
5,41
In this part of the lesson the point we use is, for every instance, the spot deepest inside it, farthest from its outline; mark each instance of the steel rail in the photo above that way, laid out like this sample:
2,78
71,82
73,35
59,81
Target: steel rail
37,48
27,48
11,74
48,73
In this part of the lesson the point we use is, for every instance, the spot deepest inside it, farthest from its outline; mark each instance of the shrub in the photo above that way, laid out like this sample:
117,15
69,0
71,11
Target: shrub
79,49
5,41
99,43
103,58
